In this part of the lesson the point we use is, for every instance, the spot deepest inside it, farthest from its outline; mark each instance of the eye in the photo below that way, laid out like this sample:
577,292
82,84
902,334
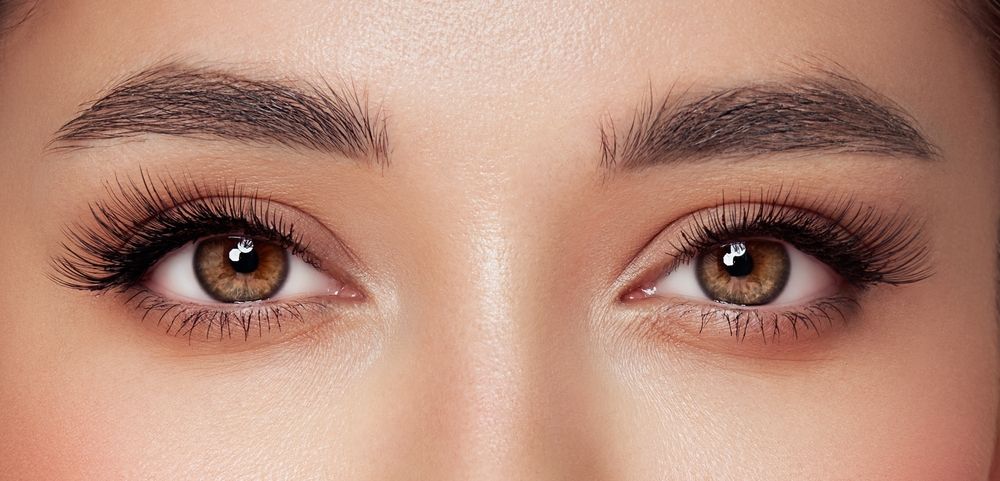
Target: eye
750,272
767,268
213,262
239,269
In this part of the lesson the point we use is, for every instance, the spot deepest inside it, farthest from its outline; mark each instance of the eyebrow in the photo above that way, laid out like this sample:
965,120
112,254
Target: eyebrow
823,112
182,101
14,13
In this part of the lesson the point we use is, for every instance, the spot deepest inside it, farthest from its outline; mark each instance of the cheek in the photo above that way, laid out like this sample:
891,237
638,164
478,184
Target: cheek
886,401
922,427
755,430
61,423
116,415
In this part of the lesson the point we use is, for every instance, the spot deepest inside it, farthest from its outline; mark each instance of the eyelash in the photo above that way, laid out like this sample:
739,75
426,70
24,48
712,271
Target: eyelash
767,323
864,246
146,220
142,222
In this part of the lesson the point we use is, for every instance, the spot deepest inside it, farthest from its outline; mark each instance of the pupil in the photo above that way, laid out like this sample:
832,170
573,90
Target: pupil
737,260
243,258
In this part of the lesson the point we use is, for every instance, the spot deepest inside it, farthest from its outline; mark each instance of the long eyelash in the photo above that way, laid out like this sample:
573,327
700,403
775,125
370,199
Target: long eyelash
143,221
863,245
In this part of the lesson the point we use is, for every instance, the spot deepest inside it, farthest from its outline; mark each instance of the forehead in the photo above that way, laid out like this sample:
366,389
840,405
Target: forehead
482,36
451,48
496,74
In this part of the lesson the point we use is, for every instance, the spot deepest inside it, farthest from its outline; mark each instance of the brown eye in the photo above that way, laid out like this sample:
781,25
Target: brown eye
240,269
748,273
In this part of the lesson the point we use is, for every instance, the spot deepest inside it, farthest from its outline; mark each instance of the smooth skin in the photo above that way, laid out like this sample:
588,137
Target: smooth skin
492,344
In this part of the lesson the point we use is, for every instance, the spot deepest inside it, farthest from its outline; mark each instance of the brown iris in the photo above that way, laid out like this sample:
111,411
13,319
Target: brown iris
240,269
749,273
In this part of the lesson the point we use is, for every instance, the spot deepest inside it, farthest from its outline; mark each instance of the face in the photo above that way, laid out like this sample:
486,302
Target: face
690,240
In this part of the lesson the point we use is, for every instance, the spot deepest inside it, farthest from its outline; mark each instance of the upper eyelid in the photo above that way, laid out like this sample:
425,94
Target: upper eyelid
118,233
131,205
892,243
899,231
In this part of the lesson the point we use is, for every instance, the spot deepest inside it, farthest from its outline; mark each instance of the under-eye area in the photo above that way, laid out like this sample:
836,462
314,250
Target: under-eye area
217,263
771,267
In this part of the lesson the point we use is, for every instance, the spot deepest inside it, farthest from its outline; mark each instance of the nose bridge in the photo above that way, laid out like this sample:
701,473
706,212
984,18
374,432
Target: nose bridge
507,397
496,374
469,343
475,344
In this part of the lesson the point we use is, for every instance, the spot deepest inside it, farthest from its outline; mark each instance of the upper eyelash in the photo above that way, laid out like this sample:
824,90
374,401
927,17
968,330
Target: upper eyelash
143,221
863,245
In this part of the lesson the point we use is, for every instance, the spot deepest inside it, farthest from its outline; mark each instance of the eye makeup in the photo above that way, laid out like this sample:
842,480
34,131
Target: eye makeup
860,245
141,224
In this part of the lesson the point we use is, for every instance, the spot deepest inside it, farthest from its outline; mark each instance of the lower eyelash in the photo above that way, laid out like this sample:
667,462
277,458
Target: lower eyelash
769,325
221,322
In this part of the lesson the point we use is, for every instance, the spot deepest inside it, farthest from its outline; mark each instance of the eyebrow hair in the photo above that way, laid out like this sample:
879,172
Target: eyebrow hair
199,103
822,112
14,13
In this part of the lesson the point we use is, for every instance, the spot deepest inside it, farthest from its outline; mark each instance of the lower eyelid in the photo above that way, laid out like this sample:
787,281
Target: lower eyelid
737,330
230,322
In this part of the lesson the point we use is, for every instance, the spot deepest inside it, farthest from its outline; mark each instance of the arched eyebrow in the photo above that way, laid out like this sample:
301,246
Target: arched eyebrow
822,112
176,100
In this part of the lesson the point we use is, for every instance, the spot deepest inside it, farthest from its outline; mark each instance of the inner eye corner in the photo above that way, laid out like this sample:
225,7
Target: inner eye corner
638,290
644,285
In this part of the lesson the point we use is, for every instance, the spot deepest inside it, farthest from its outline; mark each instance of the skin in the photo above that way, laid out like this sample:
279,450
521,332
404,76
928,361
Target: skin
492,343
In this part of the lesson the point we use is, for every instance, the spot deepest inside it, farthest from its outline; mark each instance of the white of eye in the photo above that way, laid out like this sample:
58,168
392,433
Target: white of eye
808,279
174,276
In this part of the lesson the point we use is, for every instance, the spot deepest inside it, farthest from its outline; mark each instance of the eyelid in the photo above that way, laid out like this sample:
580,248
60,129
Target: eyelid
745,333
137,218
889,248
128,232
